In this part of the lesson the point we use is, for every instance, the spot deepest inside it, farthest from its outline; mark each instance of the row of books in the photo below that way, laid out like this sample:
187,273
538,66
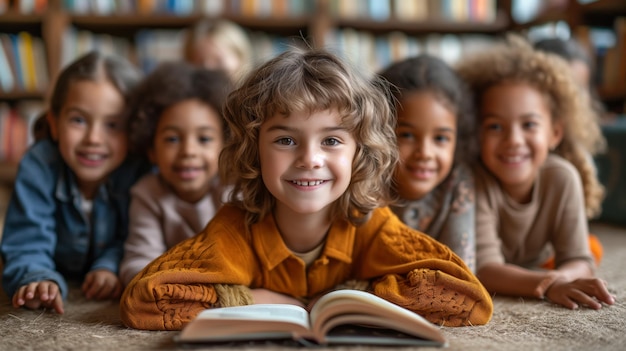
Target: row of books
149,47
22,63
416,10
253,8
371,53
23,6
16,125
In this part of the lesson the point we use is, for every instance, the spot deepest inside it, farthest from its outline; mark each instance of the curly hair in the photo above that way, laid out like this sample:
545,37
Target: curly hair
169,84
309,81
515,60
429,73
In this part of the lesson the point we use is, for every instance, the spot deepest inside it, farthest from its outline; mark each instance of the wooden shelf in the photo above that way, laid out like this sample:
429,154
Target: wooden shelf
425,27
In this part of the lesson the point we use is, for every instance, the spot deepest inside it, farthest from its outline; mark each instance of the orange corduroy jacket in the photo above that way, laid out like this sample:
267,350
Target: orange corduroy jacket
403,265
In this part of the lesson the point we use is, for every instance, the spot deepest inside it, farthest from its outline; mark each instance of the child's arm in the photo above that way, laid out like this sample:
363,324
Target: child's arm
29,236
417,272
199,273
146,237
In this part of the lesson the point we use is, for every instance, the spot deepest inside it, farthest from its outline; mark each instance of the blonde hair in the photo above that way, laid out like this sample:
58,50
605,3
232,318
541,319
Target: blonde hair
515,60
226,33
311,81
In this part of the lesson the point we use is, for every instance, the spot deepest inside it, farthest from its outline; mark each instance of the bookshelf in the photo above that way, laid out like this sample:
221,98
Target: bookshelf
402,27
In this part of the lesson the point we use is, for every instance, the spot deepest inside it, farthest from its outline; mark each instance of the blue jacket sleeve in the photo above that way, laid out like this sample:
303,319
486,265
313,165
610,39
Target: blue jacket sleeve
29,236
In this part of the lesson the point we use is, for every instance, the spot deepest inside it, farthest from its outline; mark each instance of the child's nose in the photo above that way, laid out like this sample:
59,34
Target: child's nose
94,134
311,157
190,147
423,149
514,135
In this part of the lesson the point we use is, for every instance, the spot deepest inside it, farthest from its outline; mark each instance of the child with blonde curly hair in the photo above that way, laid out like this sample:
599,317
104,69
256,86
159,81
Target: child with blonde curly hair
535,185
312,150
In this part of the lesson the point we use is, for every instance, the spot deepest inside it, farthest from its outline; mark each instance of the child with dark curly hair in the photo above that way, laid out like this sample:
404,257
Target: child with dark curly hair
312,153
435,132
176,121
535,184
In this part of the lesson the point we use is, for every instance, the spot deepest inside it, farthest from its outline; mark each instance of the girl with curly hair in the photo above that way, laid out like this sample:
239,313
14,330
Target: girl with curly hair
311,152
176,121
535,185
435,133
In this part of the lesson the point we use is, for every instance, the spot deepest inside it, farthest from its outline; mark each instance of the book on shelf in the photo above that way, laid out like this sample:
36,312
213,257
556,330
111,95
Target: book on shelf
7,79
341,317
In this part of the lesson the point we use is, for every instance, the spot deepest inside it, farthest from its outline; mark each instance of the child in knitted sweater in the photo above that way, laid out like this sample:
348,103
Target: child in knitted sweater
312,151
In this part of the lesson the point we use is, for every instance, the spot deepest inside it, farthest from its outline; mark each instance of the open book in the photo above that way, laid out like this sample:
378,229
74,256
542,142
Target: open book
339,317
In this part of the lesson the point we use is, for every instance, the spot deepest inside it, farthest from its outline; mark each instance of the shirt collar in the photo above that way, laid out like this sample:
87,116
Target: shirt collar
272,251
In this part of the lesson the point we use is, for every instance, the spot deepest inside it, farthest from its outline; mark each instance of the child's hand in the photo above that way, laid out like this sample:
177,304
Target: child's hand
102,284
590,292
44,294
268,296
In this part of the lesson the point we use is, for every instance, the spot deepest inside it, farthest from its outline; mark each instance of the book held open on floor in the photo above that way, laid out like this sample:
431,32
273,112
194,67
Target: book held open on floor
339,317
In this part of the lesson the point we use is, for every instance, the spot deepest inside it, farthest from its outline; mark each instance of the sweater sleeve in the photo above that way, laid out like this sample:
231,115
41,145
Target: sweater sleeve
190,277
421,274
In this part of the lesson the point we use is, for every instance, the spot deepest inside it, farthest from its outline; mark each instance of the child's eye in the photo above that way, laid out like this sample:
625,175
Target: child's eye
285,141
530,125
331,142
171,139
441,139
77,120
405,135
493,127
115,125
205,139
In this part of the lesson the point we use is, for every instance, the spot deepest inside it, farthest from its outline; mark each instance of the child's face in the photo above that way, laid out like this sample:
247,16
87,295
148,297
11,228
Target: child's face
91,133
306,160
213,55
426,134
517,134
186,147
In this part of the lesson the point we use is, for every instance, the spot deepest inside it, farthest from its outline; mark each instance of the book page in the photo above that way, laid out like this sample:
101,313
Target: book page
358,307
250,322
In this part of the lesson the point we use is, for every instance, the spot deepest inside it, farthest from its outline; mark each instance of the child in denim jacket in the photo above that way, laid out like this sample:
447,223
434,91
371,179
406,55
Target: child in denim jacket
67,218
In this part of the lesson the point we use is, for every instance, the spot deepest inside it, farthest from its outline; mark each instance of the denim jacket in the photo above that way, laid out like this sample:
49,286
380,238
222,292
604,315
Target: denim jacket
46,234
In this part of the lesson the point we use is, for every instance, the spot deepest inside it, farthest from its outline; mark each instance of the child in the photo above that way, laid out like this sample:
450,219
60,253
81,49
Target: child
176,118
67,218
536,131
311,153
434,132
219,44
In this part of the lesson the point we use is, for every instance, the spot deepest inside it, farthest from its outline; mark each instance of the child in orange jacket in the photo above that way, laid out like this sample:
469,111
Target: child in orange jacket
311,152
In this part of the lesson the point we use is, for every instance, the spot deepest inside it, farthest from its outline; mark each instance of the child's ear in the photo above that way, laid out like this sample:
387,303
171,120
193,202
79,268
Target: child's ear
54,132
558,130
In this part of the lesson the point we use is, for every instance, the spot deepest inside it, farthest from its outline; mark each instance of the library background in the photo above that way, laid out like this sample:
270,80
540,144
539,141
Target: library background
39,37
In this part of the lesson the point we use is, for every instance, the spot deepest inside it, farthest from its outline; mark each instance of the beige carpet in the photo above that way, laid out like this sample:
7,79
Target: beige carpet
517,324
